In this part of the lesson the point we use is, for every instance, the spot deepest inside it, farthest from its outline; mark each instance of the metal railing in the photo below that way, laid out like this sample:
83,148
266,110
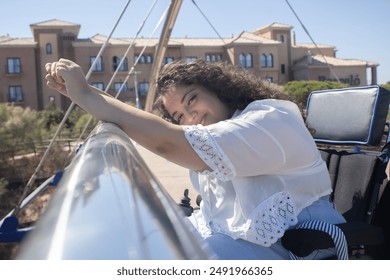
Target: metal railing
110,206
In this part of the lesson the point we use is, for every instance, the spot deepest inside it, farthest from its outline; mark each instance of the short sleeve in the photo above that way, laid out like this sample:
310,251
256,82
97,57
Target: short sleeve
209,151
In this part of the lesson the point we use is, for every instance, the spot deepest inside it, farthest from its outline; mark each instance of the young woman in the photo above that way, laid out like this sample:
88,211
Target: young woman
249,152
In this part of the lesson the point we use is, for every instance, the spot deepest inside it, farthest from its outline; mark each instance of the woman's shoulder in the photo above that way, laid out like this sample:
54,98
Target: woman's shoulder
267,104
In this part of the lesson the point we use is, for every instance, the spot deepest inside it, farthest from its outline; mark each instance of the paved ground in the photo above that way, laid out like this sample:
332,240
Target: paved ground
174,178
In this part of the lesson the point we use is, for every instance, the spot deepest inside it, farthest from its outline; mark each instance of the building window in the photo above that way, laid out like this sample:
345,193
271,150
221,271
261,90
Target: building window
99,64
246,60
263,60
147,58
267,61
167,60
242,60
98,85
249,60
191,59
269,79
283,68
116,61
118,86
270,61
143,88
13,65
139,59
213,57
49,49
281,38
15,94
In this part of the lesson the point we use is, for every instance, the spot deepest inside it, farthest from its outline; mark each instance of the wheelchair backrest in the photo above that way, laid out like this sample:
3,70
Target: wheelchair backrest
349,127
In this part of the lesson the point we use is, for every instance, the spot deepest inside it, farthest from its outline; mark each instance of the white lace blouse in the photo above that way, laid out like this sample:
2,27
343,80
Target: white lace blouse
265,170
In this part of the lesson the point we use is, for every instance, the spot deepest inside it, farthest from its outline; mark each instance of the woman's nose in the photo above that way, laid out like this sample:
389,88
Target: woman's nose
192,117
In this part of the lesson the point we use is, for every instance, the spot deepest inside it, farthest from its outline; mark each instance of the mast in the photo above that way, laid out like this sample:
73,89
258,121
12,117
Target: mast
161,49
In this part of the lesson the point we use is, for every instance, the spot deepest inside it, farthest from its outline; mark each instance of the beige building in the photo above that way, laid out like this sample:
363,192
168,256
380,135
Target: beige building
269,51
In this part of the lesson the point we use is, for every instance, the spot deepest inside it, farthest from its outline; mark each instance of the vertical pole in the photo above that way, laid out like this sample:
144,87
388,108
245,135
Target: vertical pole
161,49
373,75
137,102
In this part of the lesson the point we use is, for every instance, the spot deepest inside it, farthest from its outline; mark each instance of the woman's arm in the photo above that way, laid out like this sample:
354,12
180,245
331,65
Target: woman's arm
155,134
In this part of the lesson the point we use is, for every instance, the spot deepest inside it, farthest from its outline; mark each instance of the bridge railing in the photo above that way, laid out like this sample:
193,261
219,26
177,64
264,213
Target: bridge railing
109,205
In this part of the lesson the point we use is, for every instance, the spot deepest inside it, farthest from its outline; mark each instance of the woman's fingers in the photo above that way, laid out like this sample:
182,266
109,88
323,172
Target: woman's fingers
51,82
53,70
63,70
48,67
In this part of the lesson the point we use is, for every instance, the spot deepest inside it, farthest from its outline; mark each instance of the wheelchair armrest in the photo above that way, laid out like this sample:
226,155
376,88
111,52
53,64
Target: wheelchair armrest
302,242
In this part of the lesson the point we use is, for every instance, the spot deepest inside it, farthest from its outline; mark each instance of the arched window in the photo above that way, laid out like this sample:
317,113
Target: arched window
242,60
246,60
49,49
115,62
213,57
249,61
263,60
149,59
270,60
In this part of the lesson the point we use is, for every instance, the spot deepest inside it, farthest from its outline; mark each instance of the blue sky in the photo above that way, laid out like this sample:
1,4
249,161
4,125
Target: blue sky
360,29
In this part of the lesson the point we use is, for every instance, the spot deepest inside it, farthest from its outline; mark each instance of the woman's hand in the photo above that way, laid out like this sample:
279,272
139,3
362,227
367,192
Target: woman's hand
52,80
66,77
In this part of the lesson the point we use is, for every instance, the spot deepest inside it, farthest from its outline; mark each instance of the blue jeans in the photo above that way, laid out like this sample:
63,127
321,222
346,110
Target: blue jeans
227,248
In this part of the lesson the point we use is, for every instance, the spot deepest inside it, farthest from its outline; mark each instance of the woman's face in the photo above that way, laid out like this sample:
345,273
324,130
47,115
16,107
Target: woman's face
191,105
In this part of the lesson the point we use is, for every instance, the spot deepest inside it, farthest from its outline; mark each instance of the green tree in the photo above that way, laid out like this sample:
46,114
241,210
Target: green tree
19,129
81,123
20,132
49,120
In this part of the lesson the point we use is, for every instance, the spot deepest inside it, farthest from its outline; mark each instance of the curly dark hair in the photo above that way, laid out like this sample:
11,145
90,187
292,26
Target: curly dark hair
234,86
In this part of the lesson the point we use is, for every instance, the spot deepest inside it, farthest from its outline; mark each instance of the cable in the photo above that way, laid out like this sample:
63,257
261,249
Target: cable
64,119
116,72
128,74
209,22
315,44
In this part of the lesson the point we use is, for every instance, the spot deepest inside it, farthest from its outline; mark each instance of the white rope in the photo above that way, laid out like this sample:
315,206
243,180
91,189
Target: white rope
212,26
131,45
64,119
142,51
131,69
315,44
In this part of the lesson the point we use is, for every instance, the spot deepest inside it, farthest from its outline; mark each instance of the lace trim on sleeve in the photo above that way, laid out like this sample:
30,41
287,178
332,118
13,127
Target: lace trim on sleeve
210,152
270,219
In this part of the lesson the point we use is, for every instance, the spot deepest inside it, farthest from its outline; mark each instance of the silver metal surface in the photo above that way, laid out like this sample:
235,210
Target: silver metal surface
110,206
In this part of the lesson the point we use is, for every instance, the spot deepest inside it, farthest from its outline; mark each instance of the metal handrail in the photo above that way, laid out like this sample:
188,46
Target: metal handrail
110,206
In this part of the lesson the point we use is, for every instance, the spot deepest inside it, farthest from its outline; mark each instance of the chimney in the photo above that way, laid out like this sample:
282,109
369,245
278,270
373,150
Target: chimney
309,57
293,38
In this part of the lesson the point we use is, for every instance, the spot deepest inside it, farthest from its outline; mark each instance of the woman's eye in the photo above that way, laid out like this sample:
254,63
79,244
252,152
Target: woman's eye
179,119
191,99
